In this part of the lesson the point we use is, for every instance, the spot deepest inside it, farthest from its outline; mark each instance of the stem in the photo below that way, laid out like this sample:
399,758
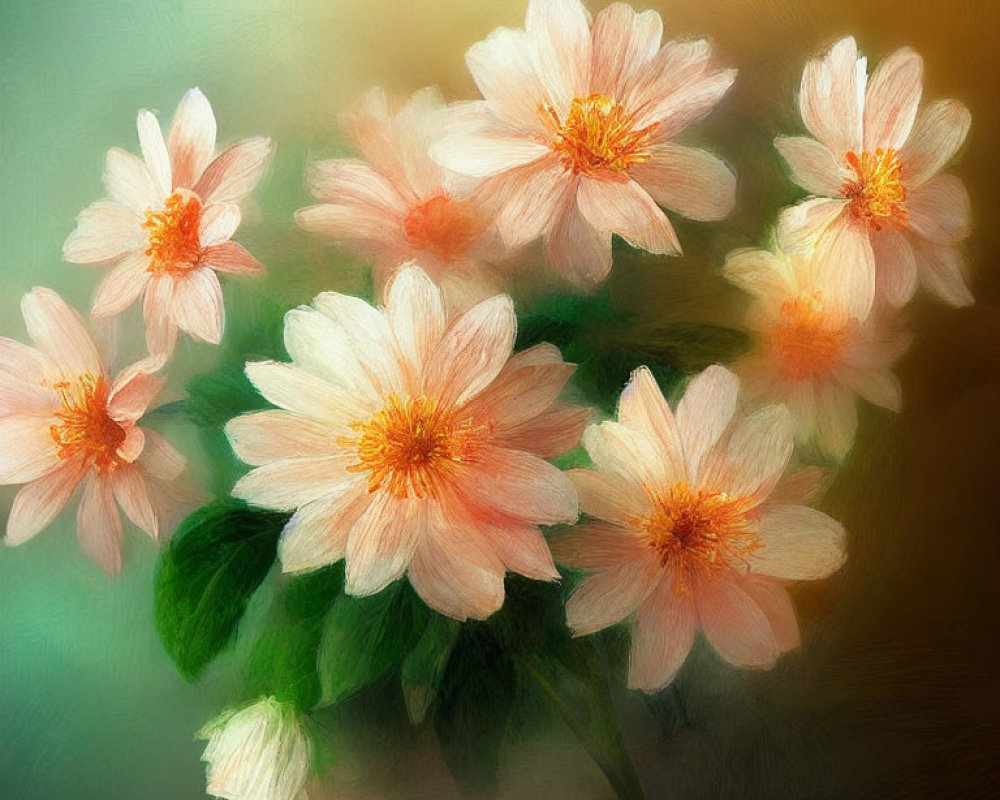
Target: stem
626,785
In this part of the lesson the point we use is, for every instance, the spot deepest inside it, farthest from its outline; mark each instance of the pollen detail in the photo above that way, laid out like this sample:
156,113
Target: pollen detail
174,243
807,342
85,428
442,226
876,192
599,136
698,532
410,446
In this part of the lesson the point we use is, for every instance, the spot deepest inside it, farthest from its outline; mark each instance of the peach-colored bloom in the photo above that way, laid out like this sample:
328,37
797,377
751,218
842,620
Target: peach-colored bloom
884,216
398,205
577,127
65,421
408,442
167,225
687,534
809,352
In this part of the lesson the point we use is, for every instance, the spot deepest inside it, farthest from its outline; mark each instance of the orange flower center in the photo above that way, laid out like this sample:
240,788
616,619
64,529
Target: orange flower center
442,226
807,342
877,192
598,135
698,532
411,446
174,244
85,427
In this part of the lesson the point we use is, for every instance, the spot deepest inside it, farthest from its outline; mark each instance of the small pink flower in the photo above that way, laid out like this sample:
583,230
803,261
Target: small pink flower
398,205
167,224
408,442
809,352
64,421
883,215
692,529
577,127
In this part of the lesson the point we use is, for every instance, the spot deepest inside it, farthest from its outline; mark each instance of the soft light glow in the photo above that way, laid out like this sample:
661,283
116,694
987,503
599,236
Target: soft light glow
808,341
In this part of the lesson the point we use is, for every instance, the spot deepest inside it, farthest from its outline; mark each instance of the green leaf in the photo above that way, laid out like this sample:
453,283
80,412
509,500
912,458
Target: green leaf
366,638
284,659
206,576
474,706
424,667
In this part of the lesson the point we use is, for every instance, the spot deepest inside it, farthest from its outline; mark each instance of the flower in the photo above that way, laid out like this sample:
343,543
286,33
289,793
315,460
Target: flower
408,442
257,753
577,128
398,205
64,421
167,224
809,352
687,534
883,215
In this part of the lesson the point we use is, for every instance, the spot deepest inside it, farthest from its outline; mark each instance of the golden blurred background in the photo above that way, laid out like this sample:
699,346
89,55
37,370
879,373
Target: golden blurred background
895,692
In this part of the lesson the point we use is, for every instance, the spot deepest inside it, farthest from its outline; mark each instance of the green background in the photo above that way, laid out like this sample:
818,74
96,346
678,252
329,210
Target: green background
894,692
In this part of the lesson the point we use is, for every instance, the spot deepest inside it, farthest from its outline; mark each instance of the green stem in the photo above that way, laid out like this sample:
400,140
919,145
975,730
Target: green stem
623,778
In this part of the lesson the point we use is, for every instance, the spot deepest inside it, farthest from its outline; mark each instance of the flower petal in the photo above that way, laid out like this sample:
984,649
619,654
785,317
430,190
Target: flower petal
938,132
756,454
98,525
575,248
943,271
777,606
759,272
548,435
288,484
561,29
895,267
134,389
122,286
484,152
734,624
191,140
316,535
814,167
472,351
844,266
219,222
234,172
643,407
230,257
528,384
623,43
628,210
662,638
891,99
298,391
624,451
130,491
197,306
612,595
27,450
836,419
597,545
831,97
382,542
704,412
940,210
265,436
692,182
800,226
60,333
160,459
129,182
528,200
154,152
41,500
519,485
415,310
503,67
800,543
104,231
157,306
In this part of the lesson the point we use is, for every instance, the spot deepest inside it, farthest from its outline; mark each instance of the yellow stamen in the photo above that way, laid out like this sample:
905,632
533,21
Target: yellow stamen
410,446
876,193
599,135
698,532
85,427
174,243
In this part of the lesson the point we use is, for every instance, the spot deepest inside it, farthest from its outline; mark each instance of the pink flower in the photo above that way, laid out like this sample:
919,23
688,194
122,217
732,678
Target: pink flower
577,128
883,214
398,205
408,442
809,352
690,531
167,224
64,421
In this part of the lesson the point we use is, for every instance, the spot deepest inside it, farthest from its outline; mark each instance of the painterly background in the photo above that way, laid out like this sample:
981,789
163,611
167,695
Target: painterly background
895,692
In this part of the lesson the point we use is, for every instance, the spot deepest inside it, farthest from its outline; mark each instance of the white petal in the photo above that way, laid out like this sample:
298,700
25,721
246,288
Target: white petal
704,412
814,166
692,182
891,100
800,543
154,152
